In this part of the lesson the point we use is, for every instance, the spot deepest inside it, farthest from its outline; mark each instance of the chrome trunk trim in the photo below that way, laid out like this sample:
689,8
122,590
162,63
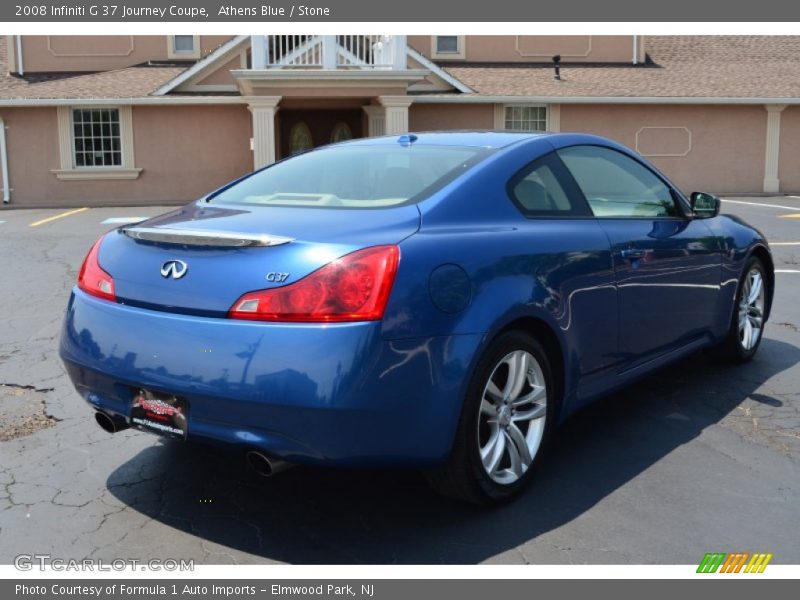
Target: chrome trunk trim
203,237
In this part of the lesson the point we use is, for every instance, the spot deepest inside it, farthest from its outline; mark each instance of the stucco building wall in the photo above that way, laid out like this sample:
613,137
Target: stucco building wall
442,117
714,148
184,152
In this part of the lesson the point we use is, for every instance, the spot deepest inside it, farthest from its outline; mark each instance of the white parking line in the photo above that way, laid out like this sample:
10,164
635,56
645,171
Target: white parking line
122,220
762,204
1,222
784,243
787,271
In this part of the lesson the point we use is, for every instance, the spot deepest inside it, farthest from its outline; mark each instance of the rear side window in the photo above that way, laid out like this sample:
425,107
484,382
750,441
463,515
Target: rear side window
616,186
354,176
545,189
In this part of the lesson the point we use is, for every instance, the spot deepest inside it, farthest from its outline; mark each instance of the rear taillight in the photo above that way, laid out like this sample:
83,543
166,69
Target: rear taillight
354,287
92,279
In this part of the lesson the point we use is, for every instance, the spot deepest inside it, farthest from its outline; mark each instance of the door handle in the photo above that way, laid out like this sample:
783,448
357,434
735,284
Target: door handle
632,253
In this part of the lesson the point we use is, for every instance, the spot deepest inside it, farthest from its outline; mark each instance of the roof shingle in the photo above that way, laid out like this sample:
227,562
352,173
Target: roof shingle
679,66
131,82
682,66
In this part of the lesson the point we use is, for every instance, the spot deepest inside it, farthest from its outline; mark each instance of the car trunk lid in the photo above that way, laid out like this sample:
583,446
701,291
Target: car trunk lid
200,259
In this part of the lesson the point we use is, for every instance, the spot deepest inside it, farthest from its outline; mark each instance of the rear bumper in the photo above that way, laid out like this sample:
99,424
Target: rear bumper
335,394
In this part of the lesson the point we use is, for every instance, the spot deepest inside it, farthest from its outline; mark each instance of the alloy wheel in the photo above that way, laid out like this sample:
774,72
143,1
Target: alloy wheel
512,417
751,309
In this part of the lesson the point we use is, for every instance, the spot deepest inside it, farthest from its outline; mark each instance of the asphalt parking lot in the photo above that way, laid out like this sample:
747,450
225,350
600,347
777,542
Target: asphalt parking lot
696,458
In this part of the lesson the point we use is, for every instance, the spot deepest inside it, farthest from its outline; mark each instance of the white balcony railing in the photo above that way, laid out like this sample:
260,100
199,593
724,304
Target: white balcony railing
329,52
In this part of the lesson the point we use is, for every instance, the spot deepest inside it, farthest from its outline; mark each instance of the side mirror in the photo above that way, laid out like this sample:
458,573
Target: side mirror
704,205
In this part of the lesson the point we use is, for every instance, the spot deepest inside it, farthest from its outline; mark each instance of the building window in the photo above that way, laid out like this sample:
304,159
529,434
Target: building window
183,43
341,132
447,46
96,140
183,46
525,118
300,138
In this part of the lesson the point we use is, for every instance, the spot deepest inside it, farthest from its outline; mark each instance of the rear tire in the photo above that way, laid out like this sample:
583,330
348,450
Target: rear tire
505,423
748,320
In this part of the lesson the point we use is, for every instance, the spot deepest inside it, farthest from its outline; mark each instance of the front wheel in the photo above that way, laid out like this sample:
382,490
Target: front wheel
747,324
506,419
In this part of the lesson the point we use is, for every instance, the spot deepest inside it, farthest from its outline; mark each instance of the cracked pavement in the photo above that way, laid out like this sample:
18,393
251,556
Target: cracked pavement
698,457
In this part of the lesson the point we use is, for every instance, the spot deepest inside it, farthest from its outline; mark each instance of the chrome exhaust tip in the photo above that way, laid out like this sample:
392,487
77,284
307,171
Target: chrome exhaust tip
108,423
264,465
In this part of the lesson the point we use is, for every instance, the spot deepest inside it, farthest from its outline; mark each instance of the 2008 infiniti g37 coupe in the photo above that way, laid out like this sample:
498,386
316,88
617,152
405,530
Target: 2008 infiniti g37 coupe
435,300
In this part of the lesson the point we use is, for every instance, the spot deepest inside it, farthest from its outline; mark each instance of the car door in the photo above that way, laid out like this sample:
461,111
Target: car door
572,262
667,265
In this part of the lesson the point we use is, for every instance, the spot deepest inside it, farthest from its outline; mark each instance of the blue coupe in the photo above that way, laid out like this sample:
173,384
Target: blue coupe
439,301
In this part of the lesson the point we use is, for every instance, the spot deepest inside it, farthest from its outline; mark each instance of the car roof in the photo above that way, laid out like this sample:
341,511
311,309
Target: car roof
474,138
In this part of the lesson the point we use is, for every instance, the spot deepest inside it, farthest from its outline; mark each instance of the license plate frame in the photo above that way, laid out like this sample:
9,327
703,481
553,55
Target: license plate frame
162,414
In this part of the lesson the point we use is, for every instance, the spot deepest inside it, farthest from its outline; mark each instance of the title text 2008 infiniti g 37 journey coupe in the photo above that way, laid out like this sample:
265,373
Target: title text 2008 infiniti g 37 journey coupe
439,301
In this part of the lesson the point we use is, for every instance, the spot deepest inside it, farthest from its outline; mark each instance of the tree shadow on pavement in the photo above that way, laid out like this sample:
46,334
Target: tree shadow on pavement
308,515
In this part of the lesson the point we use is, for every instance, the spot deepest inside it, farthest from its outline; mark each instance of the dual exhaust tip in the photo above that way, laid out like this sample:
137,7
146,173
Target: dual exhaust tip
260,463
265,465
110,424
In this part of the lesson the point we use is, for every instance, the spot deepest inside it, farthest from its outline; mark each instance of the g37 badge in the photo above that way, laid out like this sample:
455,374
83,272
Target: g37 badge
277,277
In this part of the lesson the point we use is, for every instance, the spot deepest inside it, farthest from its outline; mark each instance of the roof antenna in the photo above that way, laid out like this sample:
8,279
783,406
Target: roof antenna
557,67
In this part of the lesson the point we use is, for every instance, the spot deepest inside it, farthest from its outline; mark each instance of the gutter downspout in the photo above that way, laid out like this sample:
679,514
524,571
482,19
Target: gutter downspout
4,163
20,67
636,49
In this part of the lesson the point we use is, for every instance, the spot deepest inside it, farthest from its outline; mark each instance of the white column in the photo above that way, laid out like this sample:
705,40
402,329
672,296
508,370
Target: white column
771,182
258,51
330,53
400,58
376,120
396,113
263,110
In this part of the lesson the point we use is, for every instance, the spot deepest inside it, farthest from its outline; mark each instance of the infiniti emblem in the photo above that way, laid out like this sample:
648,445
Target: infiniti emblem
174,268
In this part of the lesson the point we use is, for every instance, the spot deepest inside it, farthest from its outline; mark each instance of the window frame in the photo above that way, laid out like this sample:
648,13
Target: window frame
678,199
69,171
459,54
503,118
73,139
173,52
580,206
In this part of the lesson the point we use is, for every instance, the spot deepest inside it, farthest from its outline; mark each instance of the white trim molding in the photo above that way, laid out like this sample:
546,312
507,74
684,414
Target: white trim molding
493,99
772,183
219,55
96,174
137,101
435,69
665,154
459,54
69,172
128,52
554,118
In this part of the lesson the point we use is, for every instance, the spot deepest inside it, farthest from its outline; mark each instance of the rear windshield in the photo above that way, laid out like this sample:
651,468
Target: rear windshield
354,176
